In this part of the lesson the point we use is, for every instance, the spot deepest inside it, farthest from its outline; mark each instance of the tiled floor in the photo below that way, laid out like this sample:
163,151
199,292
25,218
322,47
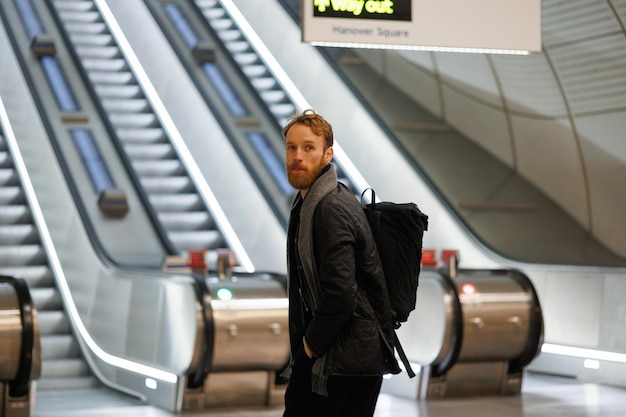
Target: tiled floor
542,396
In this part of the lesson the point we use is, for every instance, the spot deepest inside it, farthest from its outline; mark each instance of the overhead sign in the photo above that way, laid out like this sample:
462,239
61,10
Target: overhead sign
486,25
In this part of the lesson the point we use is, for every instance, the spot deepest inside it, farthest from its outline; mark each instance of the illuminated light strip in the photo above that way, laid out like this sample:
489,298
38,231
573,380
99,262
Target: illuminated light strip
422,48
176,139
583,353
55,265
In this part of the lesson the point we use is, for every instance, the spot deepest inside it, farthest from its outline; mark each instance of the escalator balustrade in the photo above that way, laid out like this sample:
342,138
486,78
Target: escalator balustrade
473,332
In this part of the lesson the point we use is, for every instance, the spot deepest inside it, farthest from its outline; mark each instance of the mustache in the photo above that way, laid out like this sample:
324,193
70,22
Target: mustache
297,165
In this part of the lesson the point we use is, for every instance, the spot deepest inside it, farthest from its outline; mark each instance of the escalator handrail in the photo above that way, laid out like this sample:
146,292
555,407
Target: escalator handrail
449,360
19,386
534,340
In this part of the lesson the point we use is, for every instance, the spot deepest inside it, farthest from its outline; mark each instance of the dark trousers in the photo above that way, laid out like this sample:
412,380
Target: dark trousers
348,396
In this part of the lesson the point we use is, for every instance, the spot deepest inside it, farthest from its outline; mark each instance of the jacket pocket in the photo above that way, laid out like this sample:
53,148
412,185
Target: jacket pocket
358,349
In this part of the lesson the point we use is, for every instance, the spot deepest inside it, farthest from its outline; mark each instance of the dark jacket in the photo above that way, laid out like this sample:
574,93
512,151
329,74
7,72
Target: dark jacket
337,294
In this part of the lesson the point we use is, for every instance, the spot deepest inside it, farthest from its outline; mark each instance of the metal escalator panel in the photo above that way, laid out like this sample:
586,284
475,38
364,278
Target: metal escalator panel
142,140
22,255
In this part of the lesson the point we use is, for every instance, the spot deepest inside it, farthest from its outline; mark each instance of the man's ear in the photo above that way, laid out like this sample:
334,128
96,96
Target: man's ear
328,154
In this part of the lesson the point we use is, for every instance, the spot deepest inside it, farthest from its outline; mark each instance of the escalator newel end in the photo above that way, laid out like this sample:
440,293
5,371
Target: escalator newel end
203,52
113,202
43,45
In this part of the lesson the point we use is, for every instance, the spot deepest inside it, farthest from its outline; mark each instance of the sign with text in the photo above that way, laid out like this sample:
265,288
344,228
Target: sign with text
495,25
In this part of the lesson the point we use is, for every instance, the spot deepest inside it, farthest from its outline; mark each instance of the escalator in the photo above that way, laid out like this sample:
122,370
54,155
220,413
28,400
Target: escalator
135,151
22,255
144,143
239,84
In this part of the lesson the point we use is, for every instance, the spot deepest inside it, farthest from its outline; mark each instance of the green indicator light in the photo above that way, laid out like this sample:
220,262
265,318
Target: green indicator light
224,294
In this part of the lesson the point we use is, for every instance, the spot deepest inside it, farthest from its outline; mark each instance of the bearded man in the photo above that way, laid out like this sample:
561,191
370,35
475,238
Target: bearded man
340,325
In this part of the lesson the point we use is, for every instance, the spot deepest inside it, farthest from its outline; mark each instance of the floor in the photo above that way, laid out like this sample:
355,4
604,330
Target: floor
542,396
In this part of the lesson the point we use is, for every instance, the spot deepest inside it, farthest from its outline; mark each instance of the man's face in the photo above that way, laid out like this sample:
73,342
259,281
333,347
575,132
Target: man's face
306,156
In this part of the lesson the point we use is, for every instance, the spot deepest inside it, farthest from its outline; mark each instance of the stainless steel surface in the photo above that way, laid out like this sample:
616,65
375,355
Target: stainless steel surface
10,332
251,329
496,314
429,334
20,348
472,334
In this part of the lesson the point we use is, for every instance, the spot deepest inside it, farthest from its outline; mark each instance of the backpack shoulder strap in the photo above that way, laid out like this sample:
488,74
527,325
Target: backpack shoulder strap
372,198
403,358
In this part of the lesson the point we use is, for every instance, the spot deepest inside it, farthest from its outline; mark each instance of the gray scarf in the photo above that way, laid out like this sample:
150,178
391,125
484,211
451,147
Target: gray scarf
320,188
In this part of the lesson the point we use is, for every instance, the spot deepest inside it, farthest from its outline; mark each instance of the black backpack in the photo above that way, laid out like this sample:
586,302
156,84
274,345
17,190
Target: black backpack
398,230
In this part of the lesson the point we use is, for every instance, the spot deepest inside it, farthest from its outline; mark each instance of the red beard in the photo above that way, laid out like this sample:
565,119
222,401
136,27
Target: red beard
305,177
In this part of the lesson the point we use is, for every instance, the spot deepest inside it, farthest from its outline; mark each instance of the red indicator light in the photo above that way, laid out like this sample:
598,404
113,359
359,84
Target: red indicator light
446,254
468,288
197,259
429,257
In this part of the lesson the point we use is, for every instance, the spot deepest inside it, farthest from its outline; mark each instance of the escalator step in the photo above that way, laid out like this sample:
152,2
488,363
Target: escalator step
254,71
165,168
111,65
125,105
59,346
118,91
22,255
14,214
18,234
187,240
91,39
141,135
264,83
115,78
229,35
83,16
186,221
150,152
64,368
35,275
237,46
90,28
177,202
8,177
52,323
133,120
98,52
11,195
46,299
273,96
246,58
167,185
67,383
74,5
